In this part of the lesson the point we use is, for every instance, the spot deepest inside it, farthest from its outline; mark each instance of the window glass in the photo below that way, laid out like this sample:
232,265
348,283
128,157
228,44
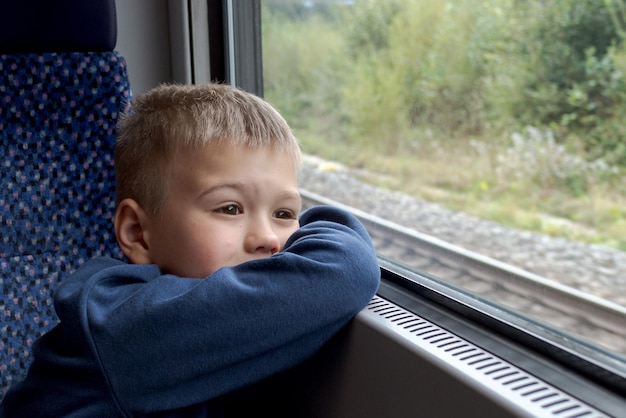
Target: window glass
493,125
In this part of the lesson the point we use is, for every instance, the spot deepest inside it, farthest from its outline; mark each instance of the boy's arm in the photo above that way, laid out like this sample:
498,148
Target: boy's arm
168,342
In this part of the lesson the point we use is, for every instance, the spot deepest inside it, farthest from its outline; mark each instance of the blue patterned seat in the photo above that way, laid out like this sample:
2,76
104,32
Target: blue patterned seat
58,112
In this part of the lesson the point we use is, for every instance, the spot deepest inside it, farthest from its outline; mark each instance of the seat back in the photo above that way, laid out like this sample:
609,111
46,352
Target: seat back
58,112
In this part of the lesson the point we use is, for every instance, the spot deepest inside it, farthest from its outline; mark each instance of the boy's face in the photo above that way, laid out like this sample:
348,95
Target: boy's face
225,205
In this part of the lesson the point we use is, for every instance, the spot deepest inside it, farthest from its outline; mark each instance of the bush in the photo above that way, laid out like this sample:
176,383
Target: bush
535,155
302,65
570,79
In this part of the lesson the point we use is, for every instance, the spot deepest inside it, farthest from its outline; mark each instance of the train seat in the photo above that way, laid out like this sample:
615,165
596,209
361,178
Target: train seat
62,88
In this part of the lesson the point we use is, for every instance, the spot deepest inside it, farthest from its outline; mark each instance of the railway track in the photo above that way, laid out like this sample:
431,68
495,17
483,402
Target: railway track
565,308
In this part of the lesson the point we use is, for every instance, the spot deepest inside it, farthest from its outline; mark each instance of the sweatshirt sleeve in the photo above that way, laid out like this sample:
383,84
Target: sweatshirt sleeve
165,342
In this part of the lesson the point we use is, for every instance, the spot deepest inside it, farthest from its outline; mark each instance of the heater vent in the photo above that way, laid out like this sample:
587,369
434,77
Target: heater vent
514,387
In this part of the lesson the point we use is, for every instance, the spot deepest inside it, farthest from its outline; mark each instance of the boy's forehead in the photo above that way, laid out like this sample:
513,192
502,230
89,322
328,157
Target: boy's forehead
232,149
222,153
239,166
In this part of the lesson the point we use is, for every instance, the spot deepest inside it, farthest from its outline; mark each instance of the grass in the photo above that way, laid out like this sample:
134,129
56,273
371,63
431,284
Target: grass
472,177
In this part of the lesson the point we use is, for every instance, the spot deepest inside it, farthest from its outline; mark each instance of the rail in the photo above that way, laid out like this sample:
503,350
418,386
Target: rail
565,308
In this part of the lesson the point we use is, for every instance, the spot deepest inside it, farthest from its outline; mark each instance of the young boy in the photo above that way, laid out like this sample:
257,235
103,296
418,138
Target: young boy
227,282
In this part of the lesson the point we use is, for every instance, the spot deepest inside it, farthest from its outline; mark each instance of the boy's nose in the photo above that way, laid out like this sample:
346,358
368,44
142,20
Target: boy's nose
262,239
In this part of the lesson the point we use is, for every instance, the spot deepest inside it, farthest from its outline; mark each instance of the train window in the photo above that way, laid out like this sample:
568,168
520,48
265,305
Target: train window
481,141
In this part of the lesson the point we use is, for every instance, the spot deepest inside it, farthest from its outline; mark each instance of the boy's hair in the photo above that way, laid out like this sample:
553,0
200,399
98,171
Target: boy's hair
172,118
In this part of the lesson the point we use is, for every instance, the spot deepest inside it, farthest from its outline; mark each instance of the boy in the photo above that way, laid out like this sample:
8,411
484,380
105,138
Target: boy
227,282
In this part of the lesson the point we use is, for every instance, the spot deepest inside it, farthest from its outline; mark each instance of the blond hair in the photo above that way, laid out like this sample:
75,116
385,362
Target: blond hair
171,118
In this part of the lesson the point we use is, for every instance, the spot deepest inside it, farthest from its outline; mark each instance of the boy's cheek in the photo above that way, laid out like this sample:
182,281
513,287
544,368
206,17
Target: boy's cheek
286,240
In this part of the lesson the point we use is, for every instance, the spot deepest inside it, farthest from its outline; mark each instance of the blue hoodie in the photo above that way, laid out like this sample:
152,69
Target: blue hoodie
133,341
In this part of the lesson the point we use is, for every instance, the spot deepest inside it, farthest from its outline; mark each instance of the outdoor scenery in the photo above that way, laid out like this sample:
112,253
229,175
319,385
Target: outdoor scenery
510,110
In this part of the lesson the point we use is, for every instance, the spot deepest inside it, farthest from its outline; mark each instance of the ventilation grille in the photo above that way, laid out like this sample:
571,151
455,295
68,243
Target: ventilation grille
515,387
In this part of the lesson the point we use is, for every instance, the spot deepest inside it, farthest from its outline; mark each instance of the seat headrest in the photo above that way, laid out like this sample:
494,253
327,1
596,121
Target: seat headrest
28,26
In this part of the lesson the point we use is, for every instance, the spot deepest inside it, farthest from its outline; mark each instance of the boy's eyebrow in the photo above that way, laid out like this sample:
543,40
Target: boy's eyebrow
291,195
285,194
234,185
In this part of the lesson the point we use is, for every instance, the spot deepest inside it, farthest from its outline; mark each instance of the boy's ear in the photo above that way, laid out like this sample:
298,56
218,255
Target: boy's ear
130,223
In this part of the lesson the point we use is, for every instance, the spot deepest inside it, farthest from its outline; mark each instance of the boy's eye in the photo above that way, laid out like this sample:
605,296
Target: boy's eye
284,214
231,209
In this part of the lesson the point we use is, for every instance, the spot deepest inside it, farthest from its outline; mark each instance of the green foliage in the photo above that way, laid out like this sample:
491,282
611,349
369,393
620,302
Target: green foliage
568,74
420,68
303,66
445,84
367,25
383,72
424,81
